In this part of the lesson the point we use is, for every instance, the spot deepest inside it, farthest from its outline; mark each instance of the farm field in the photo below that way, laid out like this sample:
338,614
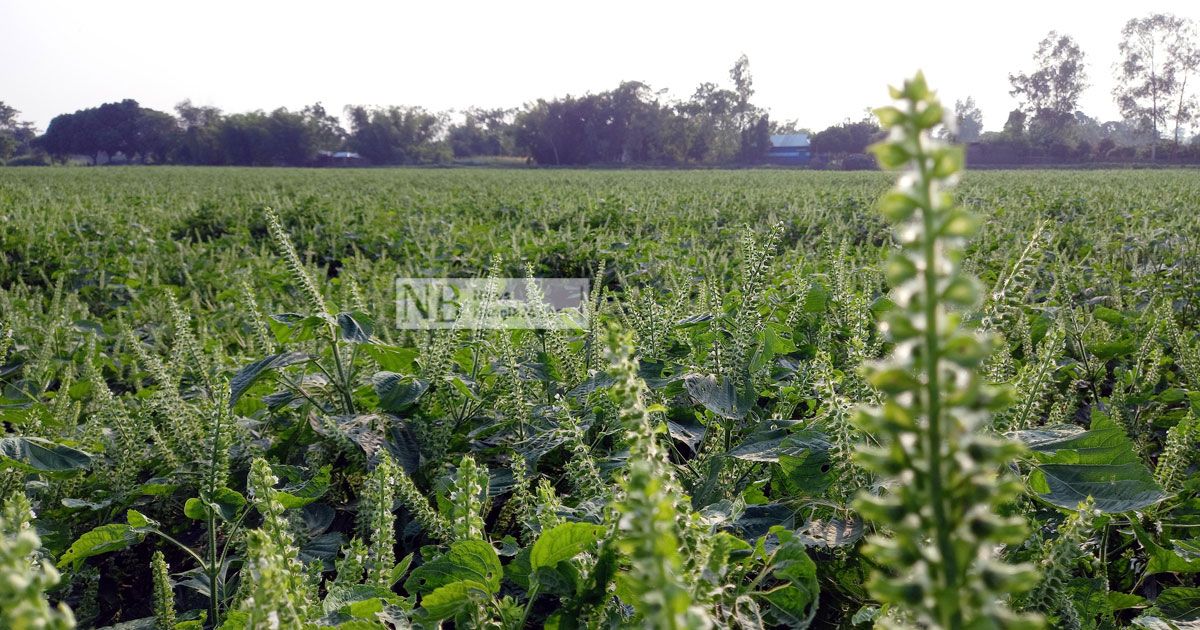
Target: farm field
205,397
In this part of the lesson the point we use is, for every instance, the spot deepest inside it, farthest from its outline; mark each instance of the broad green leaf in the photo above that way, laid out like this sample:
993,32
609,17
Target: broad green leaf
563,542
772,343
1116,488
250,374
1125,601
397,392
354,327
137,520
401,568
598,381
301,494
1112,349
793,605
1106,445
1105,314
36,455
226,503
392,358
157,486
447,600
324,548
770,446
468,560
343,596
76,504
103,539
1179,603
724,397
1161,559
294,327
689,432
195,509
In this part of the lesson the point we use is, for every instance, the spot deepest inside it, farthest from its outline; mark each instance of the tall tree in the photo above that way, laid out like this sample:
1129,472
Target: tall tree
396,134
15,135
743,87
968,120
200,143
1050,94
1158,53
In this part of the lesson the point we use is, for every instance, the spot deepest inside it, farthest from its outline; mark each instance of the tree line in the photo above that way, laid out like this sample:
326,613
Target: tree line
634,124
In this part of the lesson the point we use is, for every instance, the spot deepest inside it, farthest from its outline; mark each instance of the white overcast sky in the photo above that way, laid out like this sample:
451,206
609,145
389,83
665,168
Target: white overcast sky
818,62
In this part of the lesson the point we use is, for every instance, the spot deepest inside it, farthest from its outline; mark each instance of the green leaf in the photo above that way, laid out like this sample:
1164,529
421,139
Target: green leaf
770,446
563,542
1125,601
397,392
226,503
294,327
889,116
195,509
1179,603
1162,560
1105,314
1116,488
792,604
392,358
36,455
299,495
1112,349
795,602
343,597
948,160
103,539
722,397
355,327
469,560
401,568
894,380
137,520
890,154
1106,444
447,600
772,342
250,374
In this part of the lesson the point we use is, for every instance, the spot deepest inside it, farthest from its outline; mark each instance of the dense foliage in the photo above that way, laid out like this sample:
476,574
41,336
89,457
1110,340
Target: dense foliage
204,398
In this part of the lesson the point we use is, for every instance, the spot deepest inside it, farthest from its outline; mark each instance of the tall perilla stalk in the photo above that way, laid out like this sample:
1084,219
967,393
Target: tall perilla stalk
939,517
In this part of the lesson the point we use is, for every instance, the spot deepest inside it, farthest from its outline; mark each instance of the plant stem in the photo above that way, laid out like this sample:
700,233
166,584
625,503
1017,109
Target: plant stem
343,383
533,593
952,617
213,569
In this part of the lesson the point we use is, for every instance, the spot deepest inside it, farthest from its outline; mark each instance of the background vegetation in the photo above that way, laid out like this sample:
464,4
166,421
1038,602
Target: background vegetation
187,372
718,124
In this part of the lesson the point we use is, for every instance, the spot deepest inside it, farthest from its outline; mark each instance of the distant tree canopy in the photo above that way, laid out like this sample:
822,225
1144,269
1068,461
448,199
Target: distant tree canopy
632,124
396,135
112,128
483,132
718,124
16,137
846,138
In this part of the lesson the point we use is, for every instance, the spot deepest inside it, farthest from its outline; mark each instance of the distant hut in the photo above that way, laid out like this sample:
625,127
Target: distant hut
791,148
340,158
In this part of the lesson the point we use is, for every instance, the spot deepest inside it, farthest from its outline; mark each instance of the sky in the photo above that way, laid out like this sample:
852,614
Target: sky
817,62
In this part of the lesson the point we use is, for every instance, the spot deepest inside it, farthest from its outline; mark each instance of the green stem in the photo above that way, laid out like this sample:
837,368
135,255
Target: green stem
343,383
947,604
213,569
533,593
182,546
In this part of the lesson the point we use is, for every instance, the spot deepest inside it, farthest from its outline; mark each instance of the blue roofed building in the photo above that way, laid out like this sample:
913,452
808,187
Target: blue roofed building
791,148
